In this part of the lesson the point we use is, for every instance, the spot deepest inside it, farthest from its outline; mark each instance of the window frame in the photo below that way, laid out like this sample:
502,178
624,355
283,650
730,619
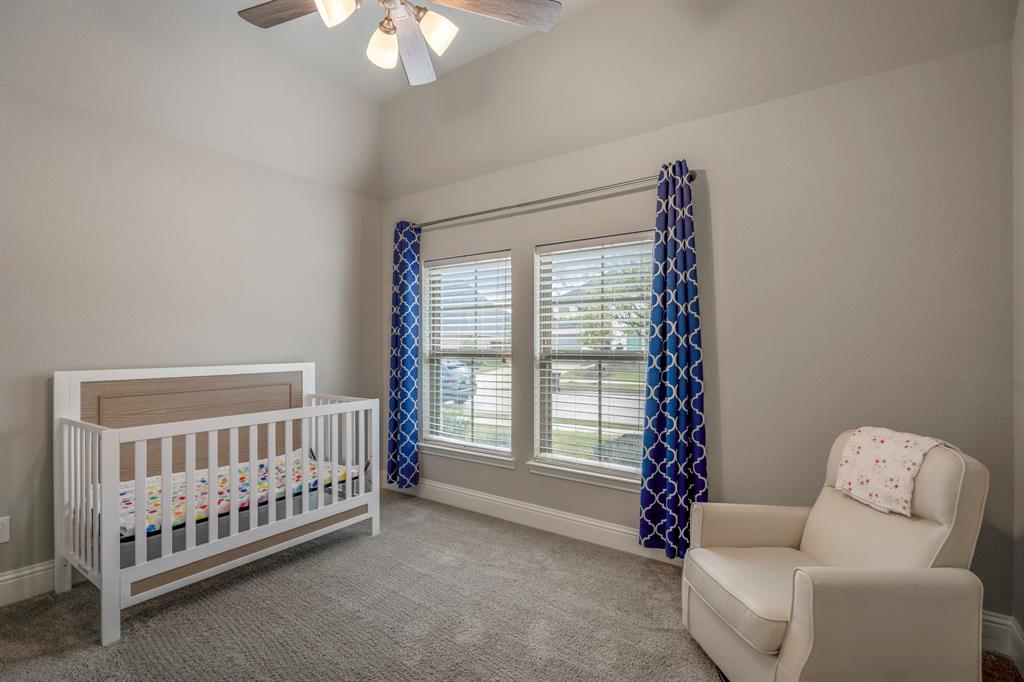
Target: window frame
449,447
606,474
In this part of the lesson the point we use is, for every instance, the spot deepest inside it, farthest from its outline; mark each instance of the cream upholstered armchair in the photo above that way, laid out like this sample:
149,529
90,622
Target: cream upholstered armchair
839,591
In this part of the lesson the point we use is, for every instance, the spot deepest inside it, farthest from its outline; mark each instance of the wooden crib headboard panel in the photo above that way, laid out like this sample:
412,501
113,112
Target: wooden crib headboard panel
137,402
123,398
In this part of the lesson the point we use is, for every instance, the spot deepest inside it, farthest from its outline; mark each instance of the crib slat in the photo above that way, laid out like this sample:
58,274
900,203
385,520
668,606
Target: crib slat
374,426
97,453
254,478
304,458
335,464
212,486
140,502
321,468
190,490
84,482
83,473
166,508
76,492
72,490
76,471
233,479
83,498
90,500
94,503
362,451
271,472
68,458
326,426
65,488
80,481
289,475
87,500
70,485
349,430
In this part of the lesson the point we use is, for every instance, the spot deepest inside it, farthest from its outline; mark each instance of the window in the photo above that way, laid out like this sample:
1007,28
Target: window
593,307
467,353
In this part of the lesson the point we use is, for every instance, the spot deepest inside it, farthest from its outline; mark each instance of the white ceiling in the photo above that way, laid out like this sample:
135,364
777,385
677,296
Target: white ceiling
340,52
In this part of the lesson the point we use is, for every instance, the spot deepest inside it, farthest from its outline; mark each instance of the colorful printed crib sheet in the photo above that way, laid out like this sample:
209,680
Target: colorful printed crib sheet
126,492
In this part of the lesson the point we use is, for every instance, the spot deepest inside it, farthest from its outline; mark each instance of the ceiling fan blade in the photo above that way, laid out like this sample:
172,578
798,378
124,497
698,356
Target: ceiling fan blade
412,47
540,15
277,12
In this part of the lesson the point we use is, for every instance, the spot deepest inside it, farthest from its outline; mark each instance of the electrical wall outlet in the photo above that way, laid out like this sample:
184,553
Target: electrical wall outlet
5,529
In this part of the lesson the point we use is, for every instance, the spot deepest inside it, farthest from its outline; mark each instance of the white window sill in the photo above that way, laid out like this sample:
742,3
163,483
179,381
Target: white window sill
494,458
627,482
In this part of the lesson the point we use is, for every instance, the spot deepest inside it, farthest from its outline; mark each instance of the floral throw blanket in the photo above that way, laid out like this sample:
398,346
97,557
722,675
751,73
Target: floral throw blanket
878,467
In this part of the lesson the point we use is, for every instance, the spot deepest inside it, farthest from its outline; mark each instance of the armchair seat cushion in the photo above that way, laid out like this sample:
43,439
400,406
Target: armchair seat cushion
750,588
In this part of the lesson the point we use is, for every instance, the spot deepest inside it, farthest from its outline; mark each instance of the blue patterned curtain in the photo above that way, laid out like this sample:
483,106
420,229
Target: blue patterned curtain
674,469
403,390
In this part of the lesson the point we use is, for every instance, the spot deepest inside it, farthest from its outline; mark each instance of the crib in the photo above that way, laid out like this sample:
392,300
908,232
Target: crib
164,477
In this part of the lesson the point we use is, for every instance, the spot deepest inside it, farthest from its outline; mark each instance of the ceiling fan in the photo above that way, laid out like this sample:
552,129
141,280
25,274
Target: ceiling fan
408,29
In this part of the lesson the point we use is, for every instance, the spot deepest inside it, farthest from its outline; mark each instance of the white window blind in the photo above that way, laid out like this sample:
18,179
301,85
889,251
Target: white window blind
467,352
593,313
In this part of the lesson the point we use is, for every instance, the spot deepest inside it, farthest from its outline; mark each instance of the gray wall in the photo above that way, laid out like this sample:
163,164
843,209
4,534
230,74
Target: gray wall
123,248
854,262
160,206
1018,310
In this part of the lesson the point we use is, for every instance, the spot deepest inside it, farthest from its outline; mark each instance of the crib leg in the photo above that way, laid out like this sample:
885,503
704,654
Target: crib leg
110,616
375,508
61,575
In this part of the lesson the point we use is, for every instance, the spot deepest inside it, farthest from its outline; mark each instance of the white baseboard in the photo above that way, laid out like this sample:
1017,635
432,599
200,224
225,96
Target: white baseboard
578,527
25,582
1003,633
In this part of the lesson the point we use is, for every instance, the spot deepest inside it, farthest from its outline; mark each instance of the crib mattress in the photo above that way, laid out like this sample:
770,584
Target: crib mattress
154,490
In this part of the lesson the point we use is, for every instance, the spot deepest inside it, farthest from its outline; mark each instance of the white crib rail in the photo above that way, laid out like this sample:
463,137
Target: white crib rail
334,427
320,431
362,434
343,433
77,494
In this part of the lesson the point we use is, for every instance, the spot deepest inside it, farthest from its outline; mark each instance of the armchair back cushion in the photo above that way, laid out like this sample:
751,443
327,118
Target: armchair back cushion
946,511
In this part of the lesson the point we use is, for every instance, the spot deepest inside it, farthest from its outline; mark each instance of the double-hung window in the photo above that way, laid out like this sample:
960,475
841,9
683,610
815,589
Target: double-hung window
592,318
467,353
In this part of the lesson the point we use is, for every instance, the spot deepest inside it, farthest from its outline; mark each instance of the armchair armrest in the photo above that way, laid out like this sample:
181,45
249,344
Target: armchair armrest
717,524
883,624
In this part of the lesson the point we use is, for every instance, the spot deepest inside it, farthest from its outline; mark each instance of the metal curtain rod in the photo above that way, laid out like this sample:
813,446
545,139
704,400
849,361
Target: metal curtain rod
691,176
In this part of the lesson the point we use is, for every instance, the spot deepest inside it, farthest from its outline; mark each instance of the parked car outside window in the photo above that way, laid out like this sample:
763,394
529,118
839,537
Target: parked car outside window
458,382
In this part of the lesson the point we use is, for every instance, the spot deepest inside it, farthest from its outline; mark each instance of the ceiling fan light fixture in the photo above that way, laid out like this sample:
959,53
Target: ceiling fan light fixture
438,29
333,12
382,49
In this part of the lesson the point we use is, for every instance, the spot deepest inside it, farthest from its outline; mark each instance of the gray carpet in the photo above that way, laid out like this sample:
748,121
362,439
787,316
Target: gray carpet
440,594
